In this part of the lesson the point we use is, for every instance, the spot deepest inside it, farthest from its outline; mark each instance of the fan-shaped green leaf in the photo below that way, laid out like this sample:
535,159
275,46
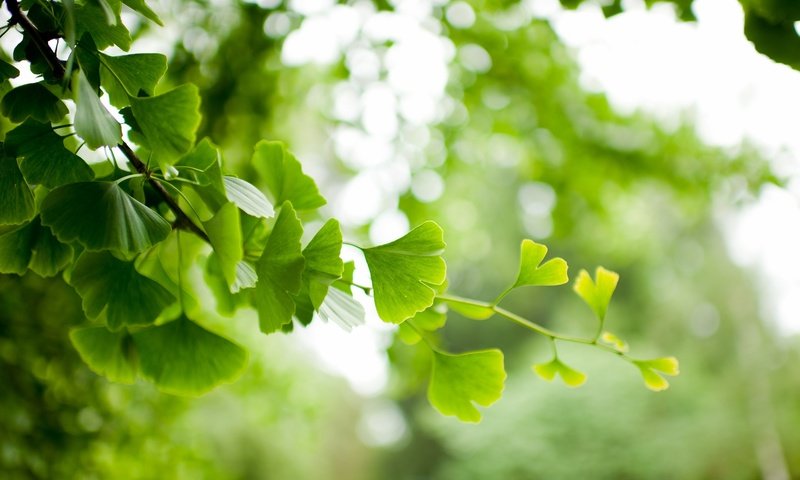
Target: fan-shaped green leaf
280,272
650,368
552,272
32,100
183,358
285,178
92,121
45,159
458,382
168,122
141,7
127,75
114,289
33,246
225,233
202,166
569,375
109,354
101,216
7,71
91,18
428,320
404,270
597,294
323,264
16,198
247,197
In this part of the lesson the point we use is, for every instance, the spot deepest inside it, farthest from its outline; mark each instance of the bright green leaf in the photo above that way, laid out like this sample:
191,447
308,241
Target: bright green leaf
183,358
650,371
101,216
16,198
404,270
109,354
91,18
428,320
92,121
226,237
45,159
202,166
569,375
323,264
552,272
114,289
169,122
247,197
32,100
458,382
141,7
284,177
126,75
470,308
176,269
597,294
280,272
614,341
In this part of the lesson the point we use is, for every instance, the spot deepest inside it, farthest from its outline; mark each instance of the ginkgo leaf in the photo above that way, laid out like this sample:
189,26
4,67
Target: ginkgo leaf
650,371
102,216
280,272
110,354
32,100
284,177
45,159
470,308
597,294
183,358
341,309
246,277
404,271
141,7
173,264
92,121
459,382
247,197
127,75
323,264
202,166
16,198
614,341
428,320
533,272
92,19
569,375
7,71
33,246
169,122
113,289
225,235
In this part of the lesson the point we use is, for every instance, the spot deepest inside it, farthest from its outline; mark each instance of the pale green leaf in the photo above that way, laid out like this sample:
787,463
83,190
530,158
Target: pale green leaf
169,122
140,6
284,177
110,354
246,277
32,100
183,358
280,272
112,289
127,75
226,238
428,320
533,272
323,264
459,382
92,121
341,309
102,216
569,375
470,308
16,198
597,294
247,197
650,371
45,159
404,271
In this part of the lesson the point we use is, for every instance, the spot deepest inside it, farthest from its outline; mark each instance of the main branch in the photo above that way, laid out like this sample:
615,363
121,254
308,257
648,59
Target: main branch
182,219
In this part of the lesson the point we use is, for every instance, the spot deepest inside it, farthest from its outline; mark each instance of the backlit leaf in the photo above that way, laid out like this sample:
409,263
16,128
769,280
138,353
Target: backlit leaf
127,75
597,294
533,272
33,246
569,375
323,264
226,237
650,371
459,382
247,197
16,198
92,121
32,100
404,272
284,177
110,354
141,7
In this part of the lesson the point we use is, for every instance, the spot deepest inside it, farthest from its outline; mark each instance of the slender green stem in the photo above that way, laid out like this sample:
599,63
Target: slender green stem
353,245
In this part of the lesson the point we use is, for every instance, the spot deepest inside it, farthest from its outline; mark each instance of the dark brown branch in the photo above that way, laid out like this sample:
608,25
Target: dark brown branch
183,220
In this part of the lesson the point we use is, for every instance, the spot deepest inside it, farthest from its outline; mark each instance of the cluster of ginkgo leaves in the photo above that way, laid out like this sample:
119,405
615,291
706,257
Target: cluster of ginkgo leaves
148,232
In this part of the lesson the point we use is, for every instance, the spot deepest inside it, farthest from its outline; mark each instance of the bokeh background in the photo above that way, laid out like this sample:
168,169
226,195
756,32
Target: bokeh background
662,150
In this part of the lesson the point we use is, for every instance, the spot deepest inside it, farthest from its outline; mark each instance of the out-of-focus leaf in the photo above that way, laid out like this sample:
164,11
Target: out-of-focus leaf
110,354
597,293
16,198
459,382
33,246
650,371
569,375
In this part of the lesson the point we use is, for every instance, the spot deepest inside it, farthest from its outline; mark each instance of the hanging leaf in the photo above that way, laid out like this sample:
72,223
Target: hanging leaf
183,358
323,264
16,198
341,309
459,382
597,294
91,18
404,271
127,75
247,197
176,269
569,375
280,272
113,289
33,247
168,122
226,237
141,7
533,272
7,71
284,177
650,371
102,216
45,159
92,121
109,354
32,100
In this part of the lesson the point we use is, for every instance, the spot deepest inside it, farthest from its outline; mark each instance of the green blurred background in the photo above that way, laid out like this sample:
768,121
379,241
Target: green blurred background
472,115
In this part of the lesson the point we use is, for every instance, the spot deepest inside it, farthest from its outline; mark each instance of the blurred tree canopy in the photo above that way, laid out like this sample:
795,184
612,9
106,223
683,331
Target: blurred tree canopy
514,148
